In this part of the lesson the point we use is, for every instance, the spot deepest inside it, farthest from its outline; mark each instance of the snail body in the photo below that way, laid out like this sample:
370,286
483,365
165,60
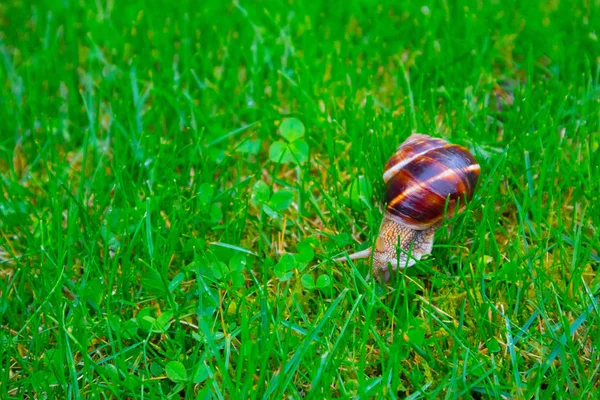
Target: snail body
426,179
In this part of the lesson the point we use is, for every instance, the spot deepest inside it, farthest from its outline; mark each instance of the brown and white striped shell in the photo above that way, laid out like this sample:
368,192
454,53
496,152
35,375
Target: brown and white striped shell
423,175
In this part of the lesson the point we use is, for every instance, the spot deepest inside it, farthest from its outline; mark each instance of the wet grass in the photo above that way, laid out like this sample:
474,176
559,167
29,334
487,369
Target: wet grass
176,178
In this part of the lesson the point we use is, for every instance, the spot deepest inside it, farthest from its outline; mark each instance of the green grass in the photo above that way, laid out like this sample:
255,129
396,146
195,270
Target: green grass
150,246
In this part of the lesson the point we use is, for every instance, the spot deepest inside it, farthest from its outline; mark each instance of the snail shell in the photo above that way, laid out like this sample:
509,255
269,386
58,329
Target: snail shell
426,179
422,175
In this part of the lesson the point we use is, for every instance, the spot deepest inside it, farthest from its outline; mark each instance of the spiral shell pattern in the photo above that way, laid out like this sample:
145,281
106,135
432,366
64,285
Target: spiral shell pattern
423,175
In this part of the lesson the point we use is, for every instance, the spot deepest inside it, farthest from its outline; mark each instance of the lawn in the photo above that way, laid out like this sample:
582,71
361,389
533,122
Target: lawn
177,177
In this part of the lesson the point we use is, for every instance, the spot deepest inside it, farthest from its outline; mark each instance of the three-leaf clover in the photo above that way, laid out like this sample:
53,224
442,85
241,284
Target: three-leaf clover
293,148
271,204
323,281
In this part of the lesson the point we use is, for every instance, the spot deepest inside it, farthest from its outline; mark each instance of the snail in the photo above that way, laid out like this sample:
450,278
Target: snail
425,179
